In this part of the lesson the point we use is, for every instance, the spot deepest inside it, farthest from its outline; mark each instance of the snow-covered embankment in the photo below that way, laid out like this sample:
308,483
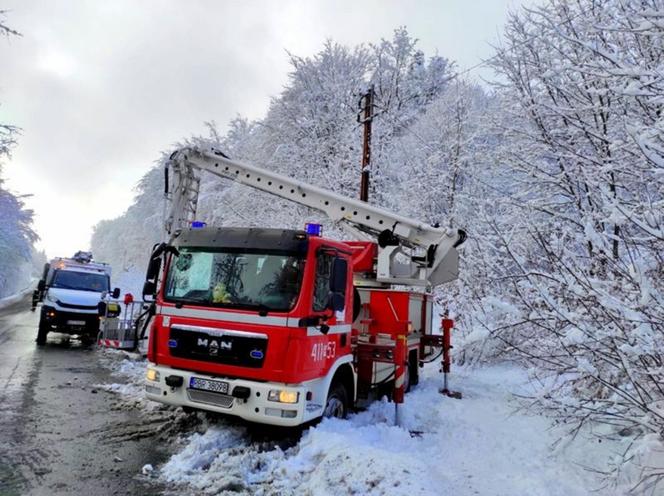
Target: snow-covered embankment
478,445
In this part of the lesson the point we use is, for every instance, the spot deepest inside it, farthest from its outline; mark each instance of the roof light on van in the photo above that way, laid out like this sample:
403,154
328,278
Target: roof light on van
313,229
198,224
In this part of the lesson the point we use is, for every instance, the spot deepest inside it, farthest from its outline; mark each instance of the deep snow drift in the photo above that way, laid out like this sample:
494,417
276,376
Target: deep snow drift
482,445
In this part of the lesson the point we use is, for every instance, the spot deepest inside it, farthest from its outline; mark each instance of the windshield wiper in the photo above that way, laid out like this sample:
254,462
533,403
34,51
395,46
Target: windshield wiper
179,301
263,310
258,307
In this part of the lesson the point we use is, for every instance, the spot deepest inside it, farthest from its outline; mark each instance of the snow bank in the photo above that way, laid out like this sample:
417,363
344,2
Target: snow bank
478,445
129,369
10,300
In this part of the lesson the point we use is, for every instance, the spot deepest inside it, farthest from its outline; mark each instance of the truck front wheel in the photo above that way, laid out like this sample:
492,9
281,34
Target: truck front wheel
337,402
41,333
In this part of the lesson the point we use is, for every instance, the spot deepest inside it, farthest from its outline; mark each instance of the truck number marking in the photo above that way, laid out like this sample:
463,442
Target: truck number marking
322,351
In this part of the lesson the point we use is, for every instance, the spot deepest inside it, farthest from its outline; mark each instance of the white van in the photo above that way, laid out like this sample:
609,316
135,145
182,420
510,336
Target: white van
70,291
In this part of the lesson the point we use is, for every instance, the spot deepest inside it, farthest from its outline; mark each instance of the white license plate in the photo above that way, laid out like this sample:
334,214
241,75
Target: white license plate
76,322
208,385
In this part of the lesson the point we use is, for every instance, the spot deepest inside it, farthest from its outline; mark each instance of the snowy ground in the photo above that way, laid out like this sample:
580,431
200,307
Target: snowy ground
482,445
129,370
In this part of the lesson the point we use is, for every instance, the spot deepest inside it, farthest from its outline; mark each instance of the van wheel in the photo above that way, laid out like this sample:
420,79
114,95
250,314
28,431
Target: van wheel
41,333
337,402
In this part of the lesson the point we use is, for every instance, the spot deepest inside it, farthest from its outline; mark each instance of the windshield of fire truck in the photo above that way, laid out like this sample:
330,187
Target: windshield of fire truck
235,279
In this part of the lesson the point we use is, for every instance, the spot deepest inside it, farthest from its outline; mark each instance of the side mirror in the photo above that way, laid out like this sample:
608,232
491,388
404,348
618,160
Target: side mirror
116,293
152,274
149,289
41,285
339,276
153,269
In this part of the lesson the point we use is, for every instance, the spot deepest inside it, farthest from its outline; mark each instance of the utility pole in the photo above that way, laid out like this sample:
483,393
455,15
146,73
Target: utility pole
365,116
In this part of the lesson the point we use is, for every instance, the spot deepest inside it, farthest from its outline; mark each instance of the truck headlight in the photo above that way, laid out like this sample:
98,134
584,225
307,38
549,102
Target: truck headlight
152,375
283,396
50,298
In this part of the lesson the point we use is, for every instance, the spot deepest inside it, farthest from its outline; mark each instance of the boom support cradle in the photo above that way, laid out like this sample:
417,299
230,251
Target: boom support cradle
432,257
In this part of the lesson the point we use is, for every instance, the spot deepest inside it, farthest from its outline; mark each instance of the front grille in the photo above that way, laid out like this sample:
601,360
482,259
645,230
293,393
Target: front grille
242,351
77,307
209,398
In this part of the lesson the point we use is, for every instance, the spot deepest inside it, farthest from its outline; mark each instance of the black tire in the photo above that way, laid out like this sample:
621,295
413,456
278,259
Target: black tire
413,377
336,404
406,379
42,332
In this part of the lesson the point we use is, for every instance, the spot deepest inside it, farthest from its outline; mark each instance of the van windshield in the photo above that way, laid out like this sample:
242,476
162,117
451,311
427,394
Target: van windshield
235,279
82,281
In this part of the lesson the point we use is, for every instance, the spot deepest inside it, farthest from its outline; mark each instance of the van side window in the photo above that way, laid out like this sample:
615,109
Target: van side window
322,283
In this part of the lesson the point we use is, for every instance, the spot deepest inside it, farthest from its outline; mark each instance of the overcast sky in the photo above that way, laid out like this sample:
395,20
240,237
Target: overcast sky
101,87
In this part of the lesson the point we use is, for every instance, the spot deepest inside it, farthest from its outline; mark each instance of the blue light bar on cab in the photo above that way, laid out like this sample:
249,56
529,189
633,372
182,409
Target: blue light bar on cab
197,224
313,229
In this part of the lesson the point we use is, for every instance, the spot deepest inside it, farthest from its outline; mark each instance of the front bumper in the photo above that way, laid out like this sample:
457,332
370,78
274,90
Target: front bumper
70,322
255,408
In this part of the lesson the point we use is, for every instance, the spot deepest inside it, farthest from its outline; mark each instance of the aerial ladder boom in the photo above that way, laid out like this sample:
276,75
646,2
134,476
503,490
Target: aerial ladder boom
409,252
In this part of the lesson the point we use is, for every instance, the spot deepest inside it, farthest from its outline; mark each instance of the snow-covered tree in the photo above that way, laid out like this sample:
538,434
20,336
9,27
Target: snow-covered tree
310,132
583,141
16,234
16,239
555,173
7,131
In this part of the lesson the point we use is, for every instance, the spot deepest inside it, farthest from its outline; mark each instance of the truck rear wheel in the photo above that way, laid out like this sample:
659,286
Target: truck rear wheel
337,402
411,373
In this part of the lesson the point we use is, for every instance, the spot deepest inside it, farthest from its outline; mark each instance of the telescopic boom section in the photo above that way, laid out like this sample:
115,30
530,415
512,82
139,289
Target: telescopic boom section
431,257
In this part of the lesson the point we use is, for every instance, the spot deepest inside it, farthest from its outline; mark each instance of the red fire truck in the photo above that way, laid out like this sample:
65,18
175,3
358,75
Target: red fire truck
280,326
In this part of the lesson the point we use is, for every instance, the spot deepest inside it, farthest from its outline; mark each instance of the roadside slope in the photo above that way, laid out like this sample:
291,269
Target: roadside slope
482,445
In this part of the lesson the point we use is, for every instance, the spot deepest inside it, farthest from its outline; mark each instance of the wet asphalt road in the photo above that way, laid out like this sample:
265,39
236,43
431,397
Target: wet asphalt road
59,433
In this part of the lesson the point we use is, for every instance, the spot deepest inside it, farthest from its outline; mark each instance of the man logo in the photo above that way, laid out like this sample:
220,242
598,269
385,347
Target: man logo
214,346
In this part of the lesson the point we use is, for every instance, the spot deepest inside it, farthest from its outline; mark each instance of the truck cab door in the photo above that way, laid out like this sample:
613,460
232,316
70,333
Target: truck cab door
330,302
